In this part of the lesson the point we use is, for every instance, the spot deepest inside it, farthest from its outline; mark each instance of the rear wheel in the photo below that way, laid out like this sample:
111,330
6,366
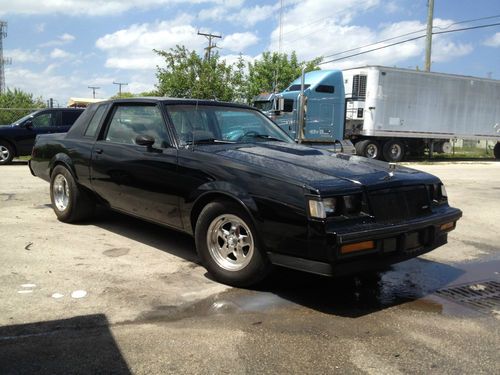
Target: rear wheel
393,151
496,150
69,201
6,153
228,246
368,148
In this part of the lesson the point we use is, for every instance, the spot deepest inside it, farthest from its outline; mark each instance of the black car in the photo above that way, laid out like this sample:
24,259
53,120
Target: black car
251,197
18,138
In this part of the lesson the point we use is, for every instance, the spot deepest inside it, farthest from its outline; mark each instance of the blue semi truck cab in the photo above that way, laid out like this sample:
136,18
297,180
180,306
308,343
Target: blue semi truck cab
321,123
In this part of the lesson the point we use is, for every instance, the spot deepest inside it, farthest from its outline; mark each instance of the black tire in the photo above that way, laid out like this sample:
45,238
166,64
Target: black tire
228,269
368,148
393,151
496,150
79,205
6,153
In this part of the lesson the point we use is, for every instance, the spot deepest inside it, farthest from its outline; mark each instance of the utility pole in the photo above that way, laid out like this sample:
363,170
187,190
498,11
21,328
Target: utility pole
208,54
120,84
93,90
3,62
428,40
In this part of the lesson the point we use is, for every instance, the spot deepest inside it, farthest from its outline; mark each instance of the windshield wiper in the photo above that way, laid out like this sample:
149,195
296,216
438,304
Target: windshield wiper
206,141
268,137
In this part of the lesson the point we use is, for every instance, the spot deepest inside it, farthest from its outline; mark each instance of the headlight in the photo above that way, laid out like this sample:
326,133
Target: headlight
342,205
438,193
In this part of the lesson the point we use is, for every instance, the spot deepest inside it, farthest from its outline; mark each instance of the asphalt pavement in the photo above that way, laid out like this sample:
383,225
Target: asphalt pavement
118,295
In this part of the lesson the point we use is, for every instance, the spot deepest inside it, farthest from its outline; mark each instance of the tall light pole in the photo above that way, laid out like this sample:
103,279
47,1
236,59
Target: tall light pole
93,90
428,40
211,46
120,84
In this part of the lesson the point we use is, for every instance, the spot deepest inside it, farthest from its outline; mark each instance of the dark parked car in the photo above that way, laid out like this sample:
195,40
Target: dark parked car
18,138
251,197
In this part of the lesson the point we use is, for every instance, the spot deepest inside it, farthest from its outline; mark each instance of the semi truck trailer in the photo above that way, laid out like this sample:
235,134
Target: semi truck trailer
388,113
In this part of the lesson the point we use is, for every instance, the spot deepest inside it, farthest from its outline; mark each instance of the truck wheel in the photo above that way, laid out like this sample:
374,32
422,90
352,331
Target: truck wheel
368,148
6,153
69,201
496,151
228,246
393,151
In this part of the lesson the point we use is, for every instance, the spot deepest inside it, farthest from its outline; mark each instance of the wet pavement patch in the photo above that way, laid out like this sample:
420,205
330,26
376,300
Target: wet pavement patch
116,252
481,296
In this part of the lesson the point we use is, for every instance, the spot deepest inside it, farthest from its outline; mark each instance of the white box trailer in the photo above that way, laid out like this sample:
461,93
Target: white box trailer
393,111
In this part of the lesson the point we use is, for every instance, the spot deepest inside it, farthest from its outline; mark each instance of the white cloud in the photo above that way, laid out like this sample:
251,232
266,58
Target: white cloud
40,27
339,33
132,48
493,41
247,17
25,56
58,53
238,42
59,41
95,7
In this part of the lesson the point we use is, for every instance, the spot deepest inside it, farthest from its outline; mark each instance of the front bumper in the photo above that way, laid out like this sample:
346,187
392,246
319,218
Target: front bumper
393,243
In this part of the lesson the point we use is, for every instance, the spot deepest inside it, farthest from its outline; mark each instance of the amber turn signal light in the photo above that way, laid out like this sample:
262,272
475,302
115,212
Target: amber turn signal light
447,227
358,246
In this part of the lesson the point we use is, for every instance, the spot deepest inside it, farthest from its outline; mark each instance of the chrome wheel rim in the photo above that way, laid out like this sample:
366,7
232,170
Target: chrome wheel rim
395,151
372,151
230,242
4,153
60,191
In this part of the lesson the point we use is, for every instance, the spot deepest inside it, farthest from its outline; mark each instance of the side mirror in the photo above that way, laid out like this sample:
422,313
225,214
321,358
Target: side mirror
279,104
28,124
145,140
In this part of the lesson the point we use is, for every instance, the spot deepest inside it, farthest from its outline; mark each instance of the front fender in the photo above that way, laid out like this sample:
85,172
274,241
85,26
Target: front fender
211,190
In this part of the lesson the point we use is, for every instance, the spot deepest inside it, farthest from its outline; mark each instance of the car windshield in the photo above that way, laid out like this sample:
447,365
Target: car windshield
22,119
217,124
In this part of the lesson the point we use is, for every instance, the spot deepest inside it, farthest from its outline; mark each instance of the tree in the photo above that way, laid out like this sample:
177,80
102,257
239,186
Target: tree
274,72
15,104
187,75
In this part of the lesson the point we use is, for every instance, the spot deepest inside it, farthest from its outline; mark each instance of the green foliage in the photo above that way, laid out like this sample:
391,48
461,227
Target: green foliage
15,104
274,72
188,75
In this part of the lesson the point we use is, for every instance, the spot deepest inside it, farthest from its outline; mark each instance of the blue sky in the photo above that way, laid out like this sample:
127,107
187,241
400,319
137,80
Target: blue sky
58,48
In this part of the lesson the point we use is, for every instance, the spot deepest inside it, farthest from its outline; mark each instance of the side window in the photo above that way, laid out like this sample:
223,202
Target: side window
69,117
94,123
130,121
43,120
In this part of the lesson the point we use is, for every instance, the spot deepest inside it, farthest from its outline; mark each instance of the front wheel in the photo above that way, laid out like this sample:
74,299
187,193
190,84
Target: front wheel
228,246
69,201
6,153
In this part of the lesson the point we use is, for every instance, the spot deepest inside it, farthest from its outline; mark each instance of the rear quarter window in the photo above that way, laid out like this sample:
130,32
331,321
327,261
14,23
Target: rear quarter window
69,117
95,121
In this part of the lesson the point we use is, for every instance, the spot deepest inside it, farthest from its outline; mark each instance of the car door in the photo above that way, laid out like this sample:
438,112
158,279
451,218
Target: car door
42,122
135,179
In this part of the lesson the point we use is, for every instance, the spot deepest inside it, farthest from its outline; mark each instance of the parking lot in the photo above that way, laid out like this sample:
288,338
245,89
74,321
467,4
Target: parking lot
118,295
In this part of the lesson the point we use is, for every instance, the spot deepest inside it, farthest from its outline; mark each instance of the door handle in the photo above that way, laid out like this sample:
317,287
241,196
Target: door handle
98,150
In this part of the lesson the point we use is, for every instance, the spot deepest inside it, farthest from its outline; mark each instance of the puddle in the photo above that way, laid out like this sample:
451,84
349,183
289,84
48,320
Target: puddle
410,285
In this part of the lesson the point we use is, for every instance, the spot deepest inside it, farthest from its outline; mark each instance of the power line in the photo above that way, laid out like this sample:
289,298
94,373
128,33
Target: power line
120,84
411,33
208,54
93,90
410,40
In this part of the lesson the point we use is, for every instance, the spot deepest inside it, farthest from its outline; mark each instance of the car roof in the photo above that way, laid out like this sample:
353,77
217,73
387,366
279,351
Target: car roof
166,100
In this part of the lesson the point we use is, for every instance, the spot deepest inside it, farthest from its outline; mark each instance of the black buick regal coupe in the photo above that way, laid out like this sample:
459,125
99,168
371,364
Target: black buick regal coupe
251,197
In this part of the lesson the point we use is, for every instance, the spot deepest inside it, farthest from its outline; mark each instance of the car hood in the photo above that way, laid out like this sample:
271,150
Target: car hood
318,168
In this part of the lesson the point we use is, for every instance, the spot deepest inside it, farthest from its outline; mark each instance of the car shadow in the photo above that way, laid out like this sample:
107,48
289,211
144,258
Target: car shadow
351,296
82,344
